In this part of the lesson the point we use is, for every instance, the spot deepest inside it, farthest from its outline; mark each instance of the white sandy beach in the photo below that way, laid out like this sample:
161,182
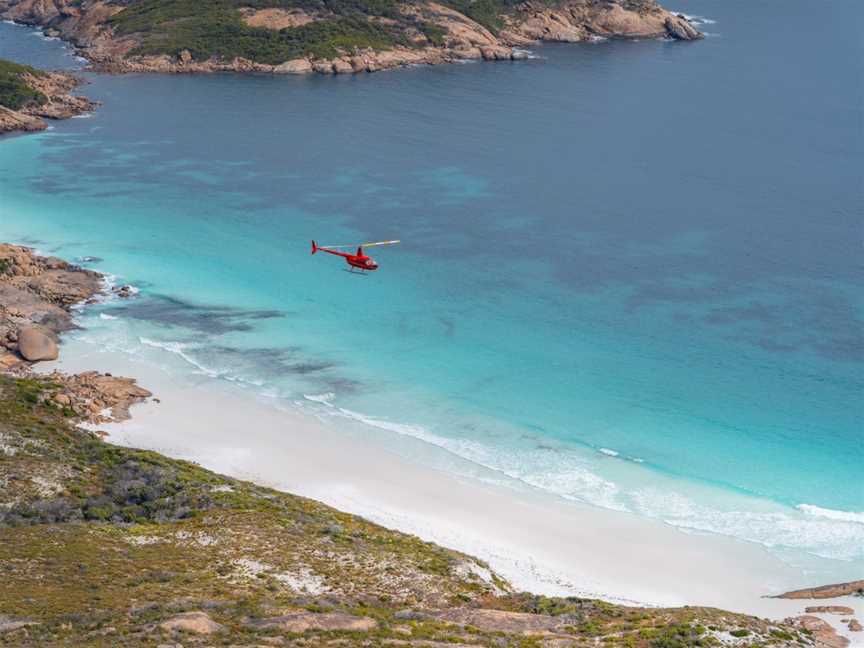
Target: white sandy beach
538,543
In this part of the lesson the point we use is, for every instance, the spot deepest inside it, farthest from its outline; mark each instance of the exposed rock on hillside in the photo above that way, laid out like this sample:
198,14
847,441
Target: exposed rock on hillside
829,609
824,635
194,622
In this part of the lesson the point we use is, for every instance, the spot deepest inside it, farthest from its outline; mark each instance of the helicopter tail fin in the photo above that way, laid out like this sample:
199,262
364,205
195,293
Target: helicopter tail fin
314,247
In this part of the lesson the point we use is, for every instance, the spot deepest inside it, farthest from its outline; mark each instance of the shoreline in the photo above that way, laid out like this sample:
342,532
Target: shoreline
535,538
460,38
57,102
544,545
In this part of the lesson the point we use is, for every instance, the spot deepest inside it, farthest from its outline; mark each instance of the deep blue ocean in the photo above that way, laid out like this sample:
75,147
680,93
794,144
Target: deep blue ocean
630,272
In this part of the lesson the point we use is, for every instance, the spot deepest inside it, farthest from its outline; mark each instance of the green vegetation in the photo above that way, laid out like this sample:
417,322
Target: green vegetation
14,91
433,33
683,636
216,29
486,12
99,545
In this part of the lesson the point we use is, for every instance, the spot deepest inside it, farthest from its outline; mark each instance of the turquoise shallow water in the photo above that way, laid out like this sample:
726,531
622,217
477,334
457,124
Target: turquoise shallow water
630,272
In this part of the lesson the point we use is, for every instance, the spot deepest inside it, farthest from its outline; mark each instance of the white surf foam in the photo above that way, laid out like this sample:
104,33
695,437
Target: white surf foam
828,536
575,475
822,532
831,514
325,398
528,53
181,349
191,353
698,20
106,316
551,470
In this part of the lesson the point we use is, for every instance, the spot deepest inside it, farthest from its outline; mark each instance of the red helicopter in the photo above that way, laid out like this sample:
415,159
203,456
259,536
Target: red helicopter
360,261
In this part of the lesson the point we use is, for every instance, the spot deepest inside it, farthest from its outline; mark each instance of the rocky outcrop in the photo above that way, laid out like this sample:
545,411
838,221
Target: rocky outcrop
302,621
827,591
829,609
514,622
575,21
274,18
35,344
679,28
823,634
461,38
36,295
12,120
194,622
38,291
8,624
855,625
96,397
59,104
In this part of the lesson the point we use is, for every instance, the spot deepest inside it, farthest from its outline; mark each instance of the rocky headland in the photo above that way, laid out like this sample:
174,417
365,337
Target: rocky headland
852,588
29,96
37,294
330,36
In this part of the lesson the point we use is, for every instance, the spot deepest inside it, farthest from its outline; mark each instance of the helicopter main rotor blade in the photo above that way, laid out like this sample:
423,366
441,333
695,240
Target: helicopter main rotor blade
346,247
380,243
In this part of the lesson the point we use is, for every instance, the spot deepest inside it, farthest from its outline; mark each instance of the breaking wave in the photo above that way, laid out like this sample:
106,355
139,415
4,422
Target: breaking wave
180,349
699,20
597,476
831,514
320,398
826,533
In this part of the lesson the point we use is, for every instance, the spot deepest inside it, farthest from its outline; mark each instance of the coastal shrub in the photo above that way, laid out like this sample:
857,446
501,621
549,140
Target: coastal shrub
133,492
681,636
433,33
742,632
489,12
485,12
14,92
29,391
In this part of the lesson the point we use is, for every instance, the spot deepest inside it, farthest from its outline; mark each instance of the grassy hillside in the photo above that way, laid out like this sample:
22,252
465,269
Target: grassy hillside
216,28
14,92
108,546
